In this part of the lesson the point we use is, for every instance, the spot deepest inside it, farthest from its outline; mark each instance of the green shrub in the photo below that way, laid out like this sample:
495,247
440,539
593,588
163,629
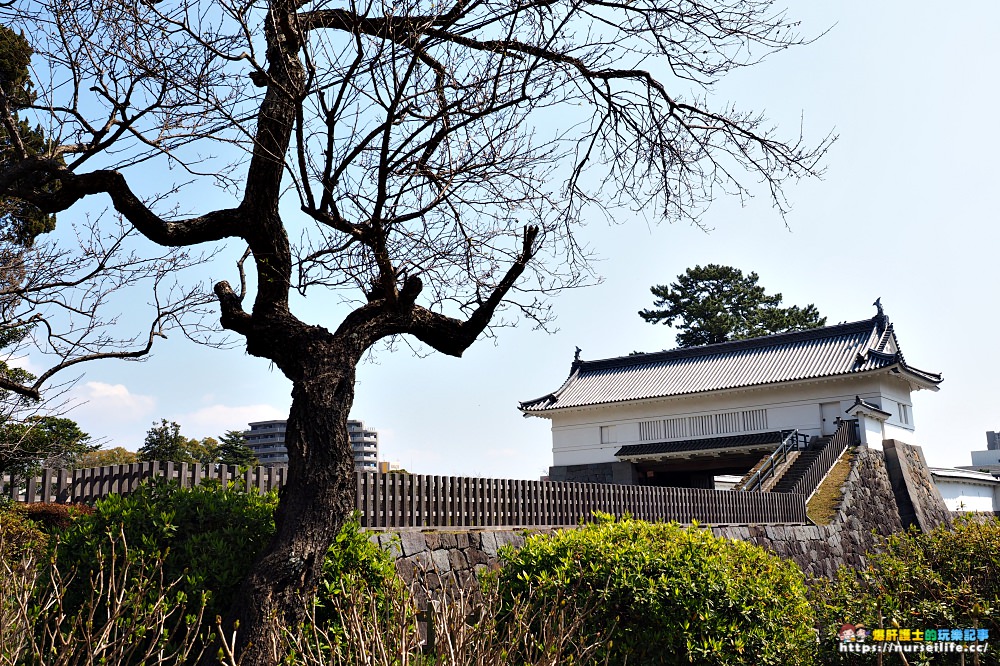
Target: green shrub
663,594
19,534
208,538
949,578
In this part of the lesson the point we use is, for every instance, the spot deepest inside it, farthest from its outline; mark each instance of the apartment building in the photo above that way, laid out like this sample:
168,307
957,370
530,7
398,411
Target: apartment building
267,440
364,443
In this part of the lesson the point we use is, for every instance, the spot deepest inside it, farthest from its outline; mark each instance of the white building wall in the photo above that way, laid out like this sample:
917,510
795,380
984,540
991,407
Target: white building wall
967,495
577,437
987,457
896,393
872,432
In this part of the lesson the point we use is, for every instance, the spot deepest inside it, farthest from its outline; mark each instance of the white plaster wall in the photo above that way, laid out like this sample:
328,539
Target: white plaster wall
967,496
576,435
894,431
872,434
894,392
599,454
796,416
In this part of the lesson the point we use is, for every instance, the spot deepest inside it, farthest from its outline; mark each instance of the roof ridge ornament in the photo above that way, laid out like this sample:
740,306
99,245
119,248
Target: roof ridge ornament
881,320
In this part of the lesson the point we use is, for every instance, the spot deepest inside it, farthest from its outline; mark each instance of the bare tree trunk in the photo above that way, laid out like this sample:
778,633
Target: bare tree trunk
318,497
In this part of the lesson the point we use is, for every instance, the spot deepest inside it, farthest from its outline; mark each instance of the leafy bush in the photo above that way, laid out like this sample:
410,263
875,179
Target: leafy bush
949,578
663,594
208,537
51,516
19,534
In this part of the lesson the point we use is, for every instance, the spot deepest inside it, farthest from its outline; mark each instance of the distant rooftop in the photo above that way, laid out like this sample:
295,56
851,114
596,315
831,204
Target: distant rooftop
964,474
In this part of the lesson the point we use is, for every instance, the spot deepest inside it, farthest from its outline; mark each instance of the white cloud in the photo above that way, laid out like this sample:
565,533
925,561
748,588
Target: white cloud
215,420
116,402
25,363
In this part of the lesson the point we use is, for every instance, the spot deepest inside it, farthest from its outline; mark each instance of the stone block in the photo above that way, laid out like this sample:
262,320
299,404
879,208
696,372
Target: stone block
390,544
432,540
508,538
406,570
488,541
440,560
422,561
412,543
467,579
457,560
475,556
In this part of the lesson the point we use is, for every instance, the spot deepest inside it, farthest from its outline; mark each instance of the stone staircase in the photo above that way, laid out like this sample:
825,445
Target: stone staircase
785,483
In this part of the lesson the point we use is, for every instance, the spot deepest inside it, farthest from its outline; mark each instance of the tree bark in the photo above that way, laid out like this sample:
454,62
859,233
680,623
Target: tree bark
318,496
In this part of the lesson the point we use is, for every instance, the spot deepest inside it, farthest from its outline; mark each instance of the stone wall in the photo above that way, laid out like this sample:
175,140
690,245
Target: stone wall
438,562
920,503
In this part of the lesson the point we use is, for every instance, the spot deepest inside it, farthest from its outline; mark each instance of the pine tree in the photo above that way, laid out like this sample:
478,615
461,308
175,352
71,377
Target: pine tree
234,451
165,443
718,303
26,445
20,221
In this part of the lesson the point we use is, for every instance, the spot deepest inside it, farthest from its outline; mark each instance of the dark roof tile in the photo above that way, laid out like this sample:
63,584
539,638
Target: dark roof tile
830,351
706,444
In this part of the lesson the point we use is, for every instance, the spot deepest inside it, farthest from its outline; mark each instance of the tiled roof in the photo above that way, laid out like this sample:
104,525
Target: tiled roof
830,351
963,473
735,441
864,404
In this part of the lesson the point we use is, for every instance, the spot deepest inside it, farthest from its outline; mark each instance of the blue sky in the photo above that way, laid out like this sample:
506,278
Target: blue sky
905,212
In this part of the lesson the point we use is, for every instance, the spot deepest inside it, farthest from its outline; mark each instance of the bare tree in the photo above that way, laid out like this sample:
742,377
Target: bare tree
433,158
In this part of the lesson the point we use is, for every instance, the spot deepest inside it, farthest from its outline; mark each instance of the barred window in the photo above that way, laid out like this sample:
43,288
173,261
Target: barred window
727,422
754,420
701,425
650,430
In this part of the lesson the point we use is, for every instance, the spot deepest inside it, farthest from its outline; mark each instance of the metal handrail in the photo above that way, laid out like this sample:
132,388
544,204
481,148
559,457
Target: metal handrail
794,440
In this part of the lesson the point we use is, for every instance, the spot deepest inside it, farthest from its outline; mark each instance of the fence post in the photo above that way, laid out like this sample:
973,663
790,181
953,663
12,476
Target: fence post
374,493
406,486
47,485
62,486
438,504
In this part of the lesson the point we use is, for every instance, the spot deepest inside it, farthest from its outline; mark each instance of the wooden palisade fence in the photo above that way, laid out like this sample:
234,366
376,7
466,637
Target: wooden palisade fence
420,500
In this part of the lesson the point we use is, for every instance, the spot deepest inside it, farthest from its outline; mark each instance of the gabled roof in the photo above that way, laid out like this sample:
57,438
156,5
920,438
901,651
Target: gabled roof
860,347
864,407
